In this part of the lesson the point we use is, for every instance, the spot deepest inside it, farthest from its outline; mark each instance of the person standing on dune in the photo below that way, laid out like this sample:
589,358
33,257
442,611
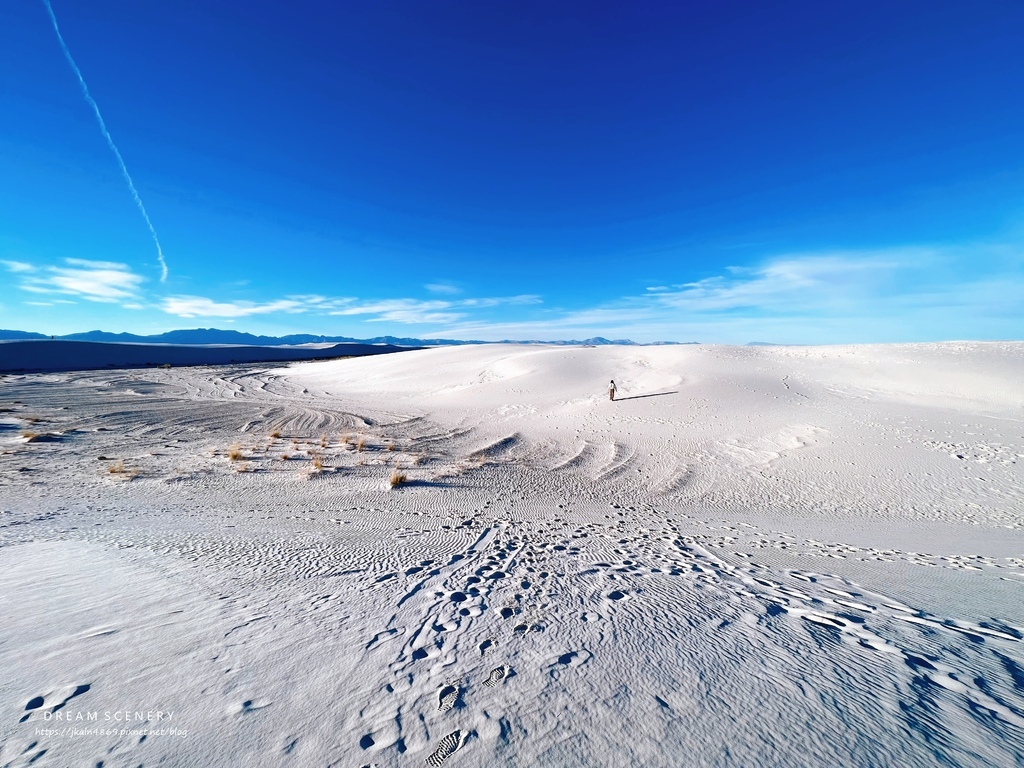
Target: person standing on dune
611,390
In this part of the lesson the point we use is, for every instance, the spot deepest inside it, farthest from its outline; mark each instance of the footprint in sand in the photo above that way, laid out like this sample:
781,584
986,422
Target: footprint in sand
569,660
448,696
497,675
447,747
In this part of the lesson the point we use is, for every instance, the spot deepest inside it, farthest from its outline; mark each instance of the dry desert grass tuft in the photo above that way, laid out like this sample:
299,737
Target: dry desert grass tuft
398,477
235,452
275,434
361,444
118,469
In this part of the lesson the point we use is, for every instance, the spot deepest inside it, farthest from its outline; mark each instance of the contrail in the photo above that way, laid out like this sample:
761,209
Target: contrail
110,141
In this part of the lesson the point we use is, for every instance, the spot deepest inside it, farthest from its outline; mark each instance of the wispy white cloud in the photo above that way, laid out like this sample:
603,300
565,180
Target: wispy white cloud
498,301
198,306
407,311
445,288
403,310
880,295
51,303
17,266
821,297
102,281
794,283
436,311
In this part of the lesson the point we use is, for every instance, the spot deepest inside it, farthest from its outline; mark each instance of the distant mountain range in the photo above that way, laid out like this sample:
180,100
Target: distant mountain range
216,336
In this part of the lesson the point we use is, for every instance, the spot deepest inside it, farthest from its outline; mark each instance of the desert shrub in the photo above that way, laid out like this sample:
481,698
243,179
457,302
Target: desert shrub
118,469
398,477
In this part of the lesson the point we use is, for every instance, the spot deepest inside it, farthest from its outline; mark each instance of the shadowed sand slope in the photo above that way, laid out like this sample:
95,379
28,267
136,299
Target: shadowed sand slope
47,355
774,556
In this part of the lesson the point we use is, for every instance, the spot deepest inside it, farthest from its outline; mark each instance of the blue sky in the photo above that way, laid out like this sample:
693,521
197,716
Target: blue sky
797,172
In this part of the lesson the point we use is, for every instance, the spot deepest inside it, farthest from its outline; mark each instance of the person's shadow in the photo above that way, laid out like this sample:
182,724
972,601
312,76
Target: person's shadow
653,394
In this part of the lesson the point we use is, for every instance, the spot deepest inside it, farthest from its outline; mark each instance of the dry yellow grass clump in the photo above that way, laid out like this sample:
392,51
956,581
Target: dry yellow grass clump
318,463
398,477
118,469
361,444
275,434
323,441
235,452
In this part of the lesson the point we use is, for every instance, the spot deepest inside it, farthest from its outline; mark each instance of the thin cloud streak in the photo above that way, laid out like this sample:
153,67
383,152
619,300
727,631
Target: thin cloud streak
444,288
405,311
17,266
198,306
110,141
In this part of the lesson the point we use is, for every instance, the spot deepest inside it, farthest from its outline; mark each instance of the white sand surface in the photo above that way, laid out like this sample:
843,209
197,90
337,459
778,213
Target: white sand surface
763,556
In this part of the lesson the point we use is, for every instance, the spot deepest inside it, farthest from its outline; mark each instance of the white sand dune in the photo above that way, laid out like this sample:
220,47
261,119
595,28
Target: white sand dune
784,556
